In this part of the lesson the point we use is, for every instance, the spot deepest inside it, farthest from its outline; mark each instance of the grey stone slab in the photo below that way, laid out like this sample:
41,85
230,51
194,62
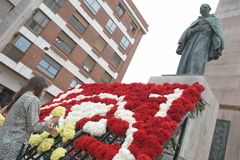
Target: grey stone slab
223,75
232,152
15,2
225,115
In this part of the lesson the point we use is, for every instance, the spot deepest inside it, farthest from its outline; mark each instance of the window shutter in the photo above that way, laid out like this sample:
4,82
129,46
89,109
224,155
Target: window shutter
106,77
67,39
89,62
100,44
81,19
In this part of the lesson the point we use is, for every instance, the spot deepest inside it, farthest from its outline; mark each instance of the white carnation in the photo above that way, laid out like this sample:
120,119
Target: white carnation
96,128
125,154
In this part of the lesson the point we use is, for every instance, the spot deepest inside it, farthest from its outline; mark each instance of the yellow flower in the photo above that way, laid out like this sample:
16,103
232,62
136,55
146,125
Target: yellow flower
44,134
1,120
59,130
58,111
45,145
35,140
68,131
67,134
70,124
58,153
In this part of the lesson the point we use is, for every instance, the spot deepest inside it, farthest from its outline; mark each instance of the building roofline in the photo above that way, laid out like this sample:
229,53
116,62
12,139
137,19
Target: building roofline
133,14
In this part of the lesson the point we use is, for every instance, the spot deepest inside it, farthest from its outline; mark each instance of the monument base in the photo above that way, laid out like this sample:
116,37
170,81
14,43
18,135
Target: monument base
198,137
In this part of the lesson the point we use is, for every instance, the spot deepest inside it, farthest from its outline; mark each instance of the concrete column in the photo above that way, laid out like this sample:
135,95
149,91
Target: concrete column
223,75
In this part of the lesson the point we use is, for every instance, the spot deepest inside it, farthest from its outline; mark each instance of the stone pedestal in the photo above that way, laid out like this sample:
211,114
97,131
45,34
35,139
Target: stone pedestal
198,138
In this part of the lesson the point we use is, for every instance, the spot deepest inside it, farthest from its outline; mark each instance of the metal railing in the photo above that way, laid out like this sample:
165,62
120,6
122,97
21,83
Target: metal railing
177,137
30,153
34,26
72,154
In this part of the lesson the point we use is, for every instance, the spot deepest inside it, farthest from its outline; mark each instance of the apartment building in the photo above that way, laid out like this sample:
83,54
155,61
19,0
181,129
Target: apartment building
67,41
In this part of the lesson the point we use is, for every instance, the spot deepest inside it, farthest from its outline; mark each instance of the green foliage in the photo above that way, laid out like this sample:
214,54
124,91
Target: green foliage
172,144
56,125
199,108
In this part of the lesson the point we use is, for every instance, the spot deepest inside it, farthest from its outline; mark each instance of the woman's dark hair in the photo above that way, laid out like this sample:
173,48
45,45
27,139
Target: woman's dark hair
35,84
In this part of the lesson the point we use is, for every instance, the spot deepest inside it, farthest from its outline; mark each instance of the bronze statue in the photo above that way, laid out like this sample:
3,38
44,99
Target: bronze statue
201,42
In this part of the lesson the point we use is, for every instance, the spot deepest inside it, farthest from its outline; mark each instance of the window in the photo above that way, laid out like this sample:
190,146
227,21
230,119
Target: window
124,43
17,48
65,42
5,7
54,5
37,23
115,60
49,66
111,26
100,44
88,64
93,5
23,44
75,82
120,10
79,22
106,78
132,27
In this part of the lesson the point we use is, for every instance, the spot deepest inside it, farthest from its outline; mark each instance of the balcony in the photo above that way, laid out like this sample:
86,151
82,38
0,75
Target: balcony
13,53
34,26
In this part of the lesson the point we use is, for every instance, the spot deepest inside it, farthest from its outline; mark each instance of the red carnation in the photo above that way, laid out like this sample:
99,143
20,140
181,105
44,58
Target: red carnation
140,135
81,123
199,87
110,154
83,142
111,112
150,152
93,148
134,149
143,157
117,126
116,146
96,118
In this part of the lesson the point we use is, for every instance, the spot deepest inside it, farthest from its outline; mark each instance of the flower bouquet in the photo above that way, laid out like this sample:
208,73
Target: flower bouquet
58,112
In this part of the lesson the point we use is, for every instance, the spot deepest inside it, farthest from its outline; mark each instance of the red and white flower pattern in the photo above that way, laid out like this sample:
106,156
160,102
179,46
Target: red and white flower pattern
147,114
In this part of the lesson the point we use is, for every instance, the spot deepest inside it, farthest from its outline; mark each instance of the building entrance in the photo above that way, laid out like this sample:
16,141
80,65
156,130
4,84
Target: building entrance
5,95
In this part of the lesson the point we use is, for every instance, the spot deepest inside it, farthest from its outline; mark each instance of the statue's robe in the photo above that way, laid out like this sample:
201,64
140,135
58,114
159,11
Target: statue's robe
198,48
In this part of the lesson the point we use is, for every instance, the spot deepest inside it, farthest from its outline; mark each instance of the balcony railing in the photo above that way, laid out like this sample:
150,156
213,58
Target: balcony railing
34,26
13,53
63,45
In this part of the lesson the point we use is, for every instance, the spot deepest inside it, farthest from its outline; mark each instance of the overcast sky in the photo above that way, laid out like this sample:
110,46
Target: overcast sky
155,55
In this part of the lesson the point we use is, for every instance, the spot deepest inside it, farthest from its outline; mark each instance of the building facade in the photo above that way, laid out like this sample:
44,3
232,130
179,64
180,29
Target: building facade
223,77
67,41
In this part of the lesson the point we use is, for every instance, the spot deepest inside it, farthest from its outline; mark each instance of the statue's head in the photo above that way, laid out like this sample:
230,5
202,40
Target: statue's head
205,9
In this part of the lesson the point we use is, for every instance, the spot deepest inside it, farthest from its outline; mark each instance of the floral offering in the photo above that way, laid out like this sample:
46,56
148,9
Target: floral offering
68,131
58,111
45,145
58,153
144,114
35,140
